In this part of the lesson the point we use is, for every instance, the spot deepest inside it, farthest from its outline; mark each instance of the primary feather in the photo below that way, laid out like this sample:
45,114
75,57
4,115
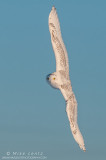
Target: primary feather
60,79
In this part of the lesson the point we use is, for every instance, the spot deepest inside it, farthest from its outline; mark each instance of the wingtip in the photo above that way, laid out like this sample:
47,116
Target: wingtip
53,8
83,148
53,11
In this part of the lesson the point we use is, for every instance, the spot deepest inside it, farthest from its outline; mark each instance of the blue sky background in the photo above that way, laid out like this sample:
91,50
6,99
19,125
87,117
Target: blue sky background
32,114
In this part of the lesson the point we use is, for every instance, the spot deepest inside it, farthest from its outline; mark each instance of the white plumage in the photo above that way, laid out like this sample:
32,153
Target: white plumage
60,79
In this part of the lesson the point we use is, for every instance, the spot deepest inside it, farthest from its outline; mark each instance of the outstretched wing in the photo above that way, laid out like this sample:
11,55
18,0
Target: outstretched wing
57,42
71,110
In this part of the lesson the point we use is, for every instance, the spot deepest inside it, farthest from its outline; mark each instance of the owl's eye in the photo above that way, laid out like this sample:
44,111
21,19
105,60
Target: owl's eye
54,78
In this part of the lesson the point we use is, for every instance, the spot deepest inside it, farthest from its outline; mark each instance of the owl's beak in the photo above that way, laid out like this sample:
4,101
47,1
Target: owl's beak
47,77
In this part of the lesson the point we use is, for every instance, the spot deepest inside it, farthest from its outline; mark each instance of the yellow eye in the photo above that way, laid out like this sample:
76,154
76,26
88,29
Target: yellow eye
54,78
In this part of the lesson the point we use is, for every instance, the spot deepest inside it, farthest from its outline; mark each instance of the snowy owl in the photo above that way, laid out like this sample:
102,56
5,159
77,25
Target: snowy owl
60,79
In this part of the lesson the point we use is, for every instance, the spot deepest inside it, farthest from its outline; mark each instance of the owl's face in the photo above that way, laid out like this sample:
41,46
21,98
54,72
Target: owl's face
52,79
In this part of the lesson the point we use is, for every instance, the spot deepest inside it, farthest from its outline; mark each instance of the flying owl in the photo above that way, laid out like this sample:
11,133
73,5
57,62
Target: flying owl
60,79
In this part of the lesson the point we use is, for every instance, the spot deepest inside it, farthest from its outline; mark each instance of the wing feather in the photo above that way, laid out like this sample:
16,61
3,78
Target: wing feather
71,110
57,42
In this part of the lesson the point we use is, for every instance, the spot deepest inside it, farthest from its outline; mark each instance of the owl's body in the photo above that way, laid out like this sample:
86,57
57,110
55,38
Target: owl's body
60,79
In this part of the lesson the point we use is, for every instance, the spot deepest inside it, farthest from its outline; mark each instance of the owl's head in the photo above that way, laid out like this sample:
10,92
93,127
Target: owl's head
53,80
